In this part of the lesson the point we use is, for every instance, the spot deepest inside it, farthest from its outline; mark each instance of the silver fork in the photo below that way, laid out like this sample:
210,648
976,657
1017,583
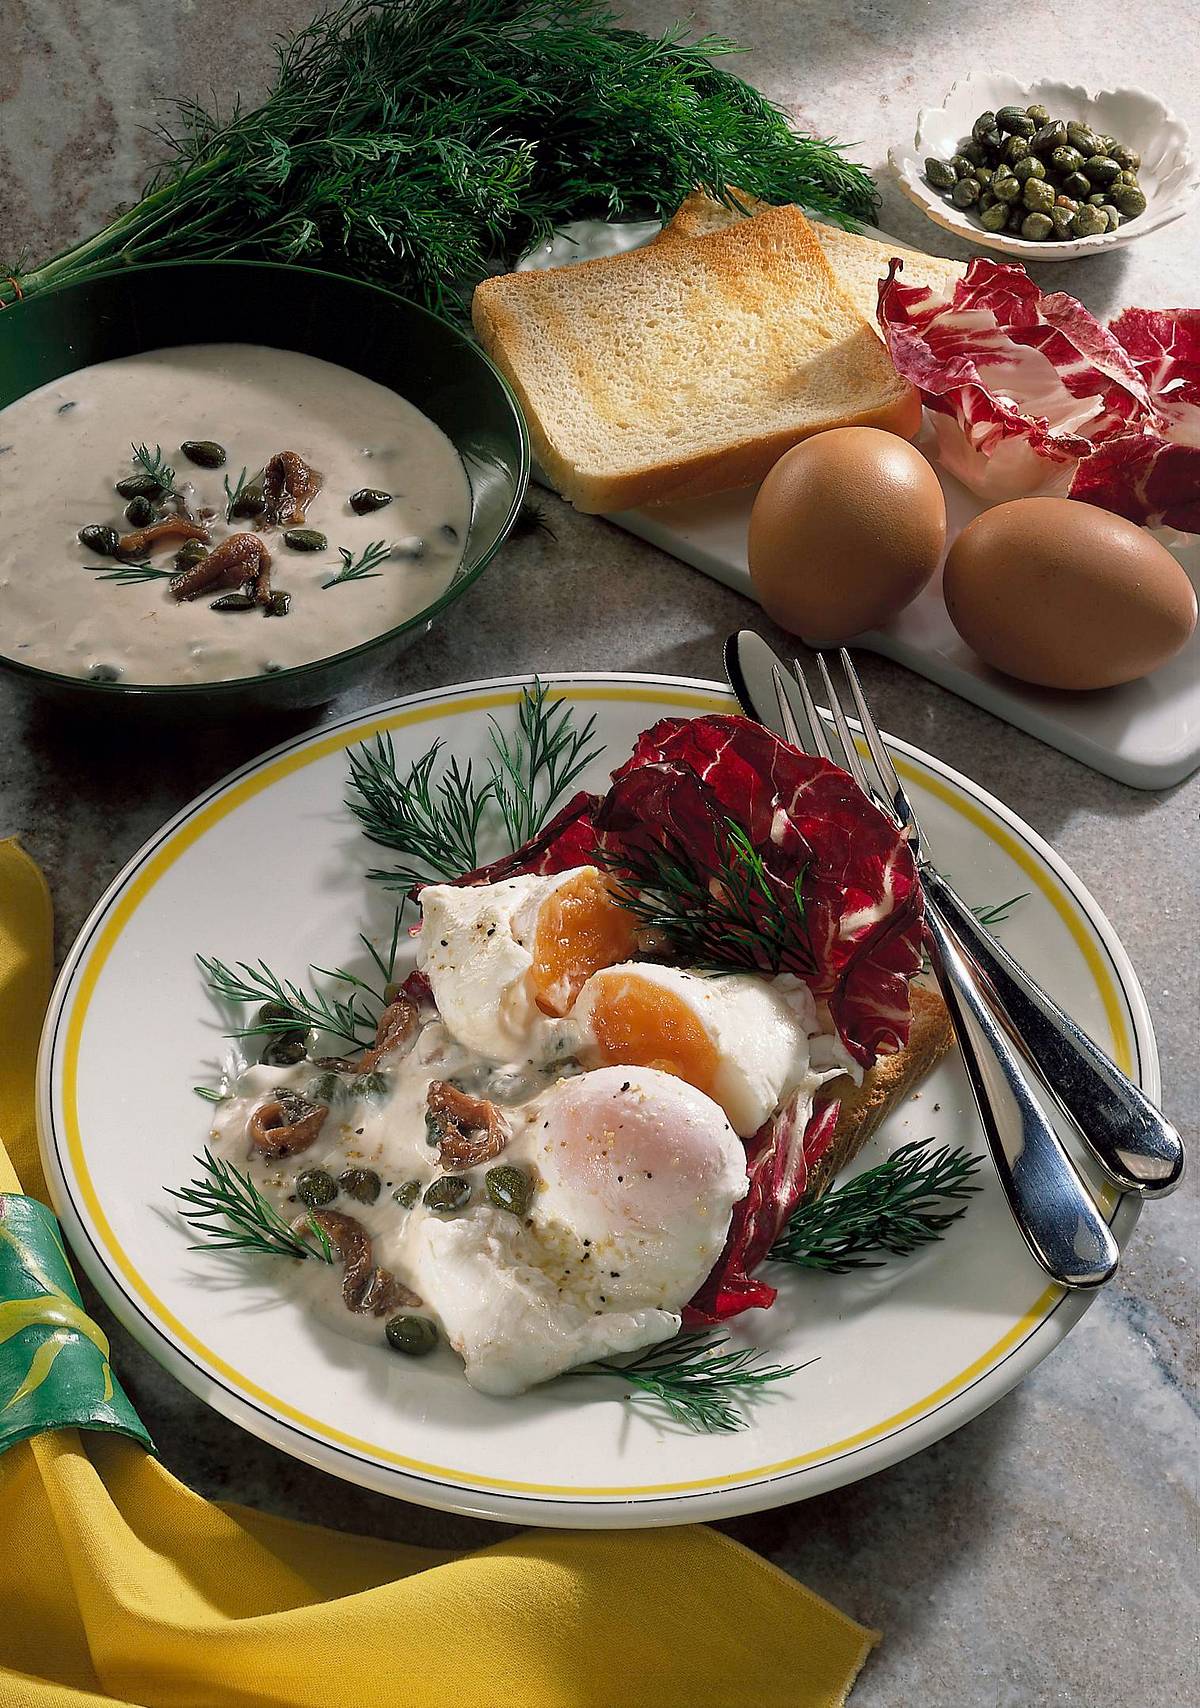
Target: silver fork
1049,1199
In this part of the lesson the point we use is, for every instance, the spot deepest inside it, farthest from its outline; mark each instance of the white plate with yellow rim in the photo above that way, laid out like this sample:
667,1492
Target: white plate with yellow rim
269,863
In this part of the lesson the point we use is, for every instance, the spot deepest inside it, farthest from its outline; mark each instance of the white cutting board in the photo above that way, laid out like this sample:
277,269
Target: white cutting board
1146,733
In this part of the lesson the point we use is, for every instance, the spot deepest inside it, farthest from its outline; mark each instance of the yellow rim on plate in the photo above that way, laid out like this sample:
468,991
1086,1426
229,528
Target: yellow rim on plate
191,831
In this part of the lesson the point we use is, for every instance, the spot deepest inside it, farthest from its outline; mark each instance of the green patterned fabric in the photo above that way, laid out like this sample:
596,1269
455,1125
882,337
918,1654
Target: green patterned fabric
54,1369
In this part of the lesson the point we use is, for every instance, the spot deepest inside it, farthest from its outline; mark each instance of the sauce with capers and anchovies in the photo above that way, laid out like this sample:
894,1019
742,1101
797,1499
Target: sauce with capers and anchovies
64,448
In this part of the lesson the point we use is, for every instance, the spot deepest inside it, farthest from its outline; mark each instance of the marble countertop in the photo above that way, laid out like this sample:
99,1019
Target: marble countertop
1038,1556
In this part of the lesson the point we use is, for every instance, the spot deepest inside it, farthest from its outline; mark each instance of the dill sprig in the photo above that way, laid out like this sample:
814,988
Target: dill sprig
129,574
893,1208
209,1093
535,766
727,920
420,142
988,914
697,1383
152,464
227,1209
234,492
362,568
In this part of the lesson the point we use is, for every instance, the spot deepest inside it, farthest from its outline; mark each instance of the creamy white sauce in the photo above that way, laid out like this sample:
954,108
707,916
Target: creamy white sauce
64,446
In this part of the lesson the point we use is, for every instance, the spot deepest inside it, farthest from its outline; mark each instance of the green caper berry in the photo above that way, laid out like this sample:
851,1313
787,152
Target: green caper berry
1088,222
938,172
1127,176
1076,186
985,175
249,501
1107,143
994,218
407,1195
285,1051
986,201
324,1088
278,605
1039,114
509,1188
965,192
361,1184
1014,121
1016,148
1061,219
1100,171
414,1336
140,486
205,453
367,499
316,1186
1006,189
234,602
1097,199
189,553
1016,216
985,122
369,1085
270,1012
1065,159
1037,227
98,538
1082,137
139,512
973,151
1111,214
305,540
1128,200
1127,158
1038,195
962,167
1030,167
1049,136
448,1192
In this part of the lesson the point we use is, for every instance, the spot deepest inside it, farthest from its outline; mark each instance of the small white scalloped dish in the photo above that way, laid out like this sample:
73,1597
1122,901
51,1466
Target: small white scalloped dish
1169,173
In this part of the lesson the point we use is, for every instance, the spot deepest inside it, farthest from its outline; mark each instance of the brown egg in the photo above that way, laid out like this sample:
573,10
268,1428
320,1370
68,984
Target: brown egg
846,530
1064,595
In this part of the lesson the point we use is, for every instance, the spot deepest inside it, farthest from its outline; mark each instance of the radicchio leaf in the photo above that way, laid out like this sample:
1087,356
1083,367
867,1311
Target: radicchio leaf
779,1161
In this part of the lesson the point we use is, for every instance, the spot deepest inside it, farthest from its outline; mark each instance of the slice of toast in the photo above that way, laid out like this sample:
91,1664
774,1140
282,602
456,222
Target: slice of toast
675,372
858,263
884,1086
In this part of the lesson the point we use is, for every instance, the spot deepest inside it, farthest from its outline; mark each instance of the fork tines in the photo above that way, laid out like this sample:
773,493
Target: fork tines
886,790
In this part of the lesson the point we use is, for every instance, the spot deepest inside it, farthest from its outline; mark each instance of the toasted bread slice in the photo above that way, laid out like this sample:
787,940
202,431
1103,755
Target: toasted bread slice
858,263
674,372
884,1086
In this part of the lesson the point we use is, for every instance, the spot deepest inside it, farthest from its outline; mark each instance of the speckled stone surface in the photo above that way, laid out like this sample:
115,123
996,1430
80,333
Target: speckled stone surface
1045,1554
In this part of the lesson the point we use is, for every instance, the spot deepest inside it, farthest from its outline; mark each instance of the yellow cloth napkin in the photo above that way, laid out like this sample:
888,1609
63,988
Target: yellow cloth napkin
117,1584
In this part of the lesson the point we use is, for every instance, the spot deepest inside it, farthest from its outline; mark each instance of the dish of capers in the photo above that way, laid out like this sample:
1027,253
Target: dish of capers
1045,179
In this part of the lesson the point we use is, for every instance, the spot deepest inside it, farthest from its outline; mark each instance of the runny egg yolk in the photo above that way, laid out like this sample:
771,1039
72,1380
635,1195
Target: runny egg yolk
581,927
639,1024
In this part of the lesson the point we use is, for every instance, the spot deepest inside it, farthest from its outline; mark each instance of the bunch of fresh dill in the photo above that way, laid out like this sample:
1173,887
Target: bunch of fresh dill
424,142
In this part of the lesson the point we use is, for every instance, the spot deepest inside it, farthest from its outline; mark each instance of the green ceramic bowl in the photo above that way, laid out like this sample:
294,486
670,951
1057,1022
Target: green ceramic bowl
360,326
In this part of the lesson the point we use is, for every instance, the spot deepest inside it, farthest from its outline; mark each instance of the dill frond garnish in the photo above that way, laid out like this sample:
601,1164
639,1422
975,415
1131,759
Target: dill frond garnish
535,766
362,568
209,1093
697,1383
129,574
234,492
152,464
893,1209
227,1210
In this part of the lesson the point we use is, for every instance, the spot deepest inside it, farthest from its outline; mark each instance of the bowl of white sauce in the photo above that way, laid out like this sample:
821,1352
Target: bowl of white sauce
237,482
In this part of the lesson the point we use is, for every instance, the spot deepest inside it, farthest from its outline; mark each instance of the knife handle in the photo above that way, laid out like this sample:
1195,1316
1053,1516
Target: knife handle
1133,1142
1050,1202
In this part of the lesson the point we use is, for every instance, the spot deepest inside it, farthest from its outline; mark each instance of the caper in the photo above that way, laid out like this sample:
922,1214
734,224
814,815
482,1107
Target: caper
965,192
368,498
1065,159
249,501
1038,195
1016,216
1082,137
938,172
1088,222
1039,114
1016,148
140,486
1127,158
1100,171
234,602
448,1192
1030,167
97,538
407,1195
1037,227
205,453
994,218
361,1184
509,1188
1076,185
1097,199
1129,200
961,166
1014,121
1061,218
139,512
285,1051
369,1085
973,151
1127,176
269,1012
1107,143
316,1186
984,174
1111,214
1050,136
278,605
324,1088
305,540
986,201
104,673
414,1336
189,553
1006,189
